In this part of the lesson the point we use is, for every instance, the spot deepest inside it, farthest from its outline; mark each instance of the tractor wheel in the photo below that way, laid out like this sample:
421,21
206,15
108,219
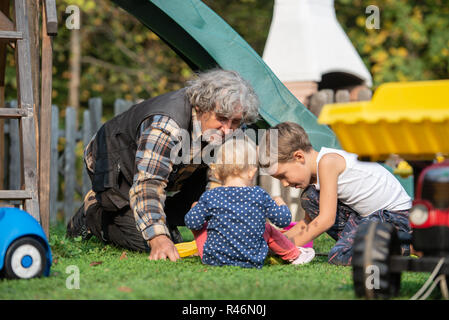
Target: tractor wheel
374,244
24,259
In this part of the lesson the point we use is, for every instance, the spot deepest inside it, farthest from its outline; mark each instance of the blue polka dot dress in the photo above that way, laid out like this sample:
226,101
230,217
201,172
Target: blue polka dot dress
236,223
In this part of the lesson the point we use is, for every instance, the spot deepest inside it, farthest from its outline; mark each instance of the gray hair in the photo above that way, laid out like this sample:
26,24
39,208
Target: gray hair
225,92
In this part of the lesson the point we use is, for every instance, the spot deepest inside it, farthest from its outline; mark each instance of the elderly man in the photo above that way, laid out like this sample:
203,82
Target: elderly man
132,167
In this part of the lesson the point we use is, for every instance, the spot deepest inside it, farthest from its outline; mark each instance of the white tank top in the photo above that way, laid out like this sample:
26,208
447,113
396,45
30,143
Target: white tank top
367,186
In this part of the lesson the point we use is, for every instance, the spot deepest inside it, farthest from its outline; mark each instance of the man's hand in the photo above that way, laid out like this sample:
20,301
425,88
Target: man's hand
161,248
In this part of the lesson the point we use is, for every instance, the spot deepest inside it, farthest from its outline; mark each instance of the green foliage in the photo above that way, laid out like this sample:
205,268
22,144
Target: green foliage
250,18
411,44
120,57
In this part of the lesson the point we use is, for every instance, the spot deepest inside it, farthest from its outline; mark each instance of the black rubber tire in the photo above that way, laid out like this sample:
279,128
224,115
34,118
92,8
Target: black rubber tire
374,245
9,271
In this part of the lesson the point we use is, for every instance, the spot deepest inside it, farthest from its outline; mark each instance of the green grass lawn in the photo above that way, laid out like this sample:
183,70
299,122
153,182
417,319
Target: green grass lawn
104,275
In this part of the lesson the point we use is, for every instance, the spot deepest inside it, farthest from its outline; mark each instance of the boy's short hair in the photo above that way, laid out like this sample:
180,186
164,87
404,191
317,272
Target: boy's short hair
235,156
290,138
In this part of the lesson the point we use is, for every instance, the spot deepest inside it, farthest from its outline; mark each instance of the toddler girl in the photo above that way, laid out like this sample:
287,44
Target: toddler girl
229,222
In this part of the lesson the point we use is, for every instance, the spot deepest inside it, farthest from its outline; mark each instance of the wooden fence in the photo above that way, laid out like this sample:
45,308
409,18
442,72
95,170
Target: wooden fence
69,179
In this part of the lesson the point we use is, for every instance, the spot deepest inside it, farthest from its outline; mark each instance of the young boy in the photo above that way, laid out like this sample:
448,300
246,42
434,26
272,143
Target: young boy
340,192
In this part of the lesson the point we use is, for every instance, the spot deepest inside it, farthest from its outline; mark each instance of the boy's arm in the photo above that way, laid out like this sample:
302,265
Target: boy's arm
329,168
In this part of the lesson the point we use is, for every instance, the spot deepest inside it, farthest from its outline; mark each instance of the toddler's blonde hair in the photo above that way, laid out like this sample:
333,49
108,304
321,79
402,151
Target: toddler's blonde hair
234,157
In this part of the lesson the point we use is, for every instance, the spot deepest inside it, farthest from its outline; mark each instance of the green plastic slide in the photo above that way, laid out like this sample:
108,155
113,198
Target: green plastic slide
204,41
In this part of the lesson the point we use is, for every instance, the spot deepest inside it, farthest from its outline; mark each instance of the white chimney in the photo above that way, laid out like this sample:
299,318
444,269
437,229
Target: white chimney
306,41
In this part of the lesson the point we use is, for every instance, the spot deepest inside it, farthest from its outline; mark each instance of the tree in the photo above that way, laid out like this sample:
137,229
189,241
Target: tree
250,18
410,45
120,58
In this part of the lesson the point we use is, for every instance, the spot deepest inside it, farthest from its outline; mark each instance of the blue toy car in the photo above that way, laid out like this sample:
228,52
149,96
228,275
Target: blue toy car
24,249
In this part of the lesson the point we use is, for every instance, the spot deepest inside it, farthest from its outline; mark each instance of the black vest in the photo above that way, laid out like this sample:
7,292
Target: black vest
114,149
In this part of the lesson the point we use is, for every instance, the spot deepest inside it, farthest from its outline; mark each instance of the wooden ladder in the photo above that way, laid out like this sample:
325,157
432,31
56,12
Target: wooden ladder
16,34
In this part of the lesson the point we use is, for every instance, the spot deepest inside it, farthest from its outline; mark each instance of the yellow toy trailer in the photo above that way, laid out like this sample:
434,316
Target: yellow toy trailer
411,120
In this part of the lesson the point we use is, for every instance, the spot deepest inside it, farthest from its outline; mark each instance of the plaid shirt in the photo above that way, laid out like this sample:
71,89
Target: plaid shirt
156,138
158,135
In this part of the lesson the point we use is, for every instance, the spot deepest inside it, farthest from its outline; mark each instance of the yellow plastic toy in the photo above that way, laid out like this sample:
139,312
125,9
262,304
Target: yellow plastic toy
186,249
410,119
404,169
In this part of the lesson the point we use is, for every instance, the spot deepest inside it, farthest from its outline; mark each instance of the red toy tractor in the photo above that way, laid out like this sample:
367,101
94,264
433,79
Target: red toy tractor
377,246
429,217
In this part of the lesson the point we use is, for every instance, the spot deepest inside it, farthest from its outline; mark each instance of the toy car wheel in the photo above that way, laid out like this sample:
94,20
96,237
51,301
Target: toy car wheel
374,245
24,259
